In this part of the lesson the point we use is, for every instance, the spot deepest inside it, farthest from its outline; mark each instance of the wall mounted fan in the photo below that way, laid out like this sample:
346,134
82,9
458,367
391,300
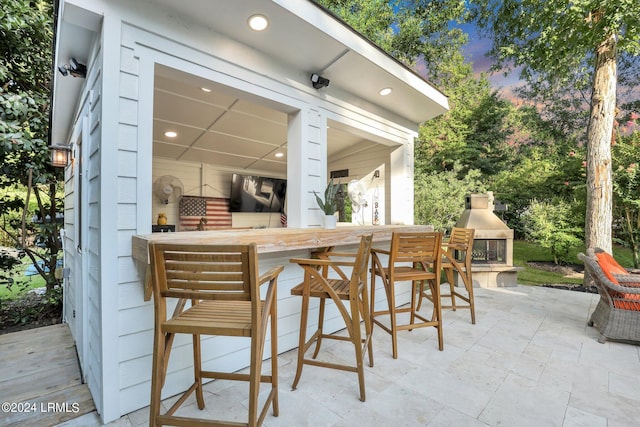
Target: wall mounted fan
168,188
357,193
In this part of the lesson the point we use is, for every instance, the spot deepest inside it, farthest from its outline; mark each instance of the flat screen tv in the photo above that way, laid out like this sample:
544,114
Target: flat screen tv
251,193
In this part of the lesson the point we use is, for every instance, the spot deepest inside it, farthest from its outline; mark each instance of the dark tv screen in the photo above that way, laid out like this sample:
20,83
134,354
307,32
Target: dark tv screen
251,193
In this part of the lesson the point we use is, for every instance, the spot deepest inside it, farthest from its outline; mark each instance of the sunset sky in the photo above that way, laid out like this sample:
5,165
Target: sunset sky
475,52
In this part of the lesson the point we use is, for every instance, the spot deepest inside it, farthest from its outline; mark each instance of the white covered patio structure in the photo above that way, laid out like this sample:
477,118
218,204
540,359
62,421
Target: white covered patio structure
234,98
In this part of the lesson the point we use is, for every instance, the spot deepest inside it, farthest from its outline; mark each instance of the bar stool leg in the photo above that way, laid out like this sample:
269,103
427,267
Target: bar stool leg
157,377
368,324
320,328
254,382
437,310
391,298
356,338
302,339
197,370
274,358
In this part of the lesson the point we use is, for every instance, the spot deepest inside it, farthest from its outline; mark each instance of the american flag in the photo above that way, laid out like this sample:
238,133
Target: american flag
204,213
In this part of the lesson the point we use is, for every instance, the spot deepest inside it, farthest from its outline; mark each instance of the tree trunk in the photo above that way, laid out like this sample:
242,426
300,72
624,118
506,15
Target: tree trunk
599,138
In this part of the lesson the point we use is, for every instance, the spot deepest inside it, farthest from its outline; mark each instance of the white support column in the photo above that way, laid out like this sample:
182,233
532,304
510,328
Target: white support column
306,166
399,185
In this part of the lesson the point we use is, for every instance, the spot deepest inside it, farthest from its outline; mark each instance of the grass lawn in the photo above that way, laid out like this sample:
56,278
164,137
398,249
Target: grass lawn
18,290
23,284
527,251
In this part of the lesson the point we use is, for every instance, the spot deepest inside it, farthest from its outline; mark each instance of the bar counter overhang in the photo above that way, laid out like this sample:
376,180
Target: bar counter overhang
271,240
277,243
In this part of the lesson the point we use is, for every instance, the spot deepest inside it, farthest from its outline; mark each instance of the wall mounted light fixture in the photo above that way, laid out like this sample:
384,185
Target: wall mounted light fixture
318,81
74,68
60,155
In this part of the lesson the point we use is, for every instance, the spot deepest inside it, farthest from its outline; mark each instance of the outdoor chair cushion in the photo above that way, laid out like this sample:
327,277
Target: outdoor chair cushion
626,301
610,266
619,275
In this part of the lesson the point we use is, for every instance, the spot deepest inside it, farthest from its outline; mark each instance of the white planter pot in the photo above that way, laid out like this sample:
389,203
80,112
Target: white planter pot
330,222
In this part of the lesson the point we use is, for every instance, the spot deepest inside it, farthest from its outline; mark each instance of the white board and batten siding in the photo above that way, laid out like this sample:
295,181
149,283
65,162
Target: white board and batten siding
83,302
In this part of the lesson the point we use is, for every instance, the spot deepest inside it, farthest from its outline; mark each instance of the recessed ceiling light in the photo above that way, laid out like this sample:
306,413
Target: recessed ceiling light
278,154
385,91
258,22
205,89
170,134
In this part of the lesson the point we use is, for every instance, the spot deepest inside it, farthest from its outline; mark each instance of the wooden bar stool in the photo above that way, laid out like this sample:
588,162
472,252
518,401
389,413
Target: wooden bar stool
460,242
222,283
414,257
353,289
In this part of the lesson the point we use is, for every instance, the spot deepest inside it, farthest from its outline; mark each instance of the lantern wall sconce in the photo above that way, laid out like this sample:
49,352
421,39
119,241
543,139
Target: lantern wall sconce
60,155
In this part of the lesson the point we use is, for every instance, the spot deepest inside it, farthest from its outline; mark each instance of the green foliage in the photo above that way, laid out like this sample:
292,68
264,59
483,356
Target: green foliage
26,32
371,18
554,39
476,131
558,45
440,196
551,225
330,203
416,33
31,309
548,164
626,190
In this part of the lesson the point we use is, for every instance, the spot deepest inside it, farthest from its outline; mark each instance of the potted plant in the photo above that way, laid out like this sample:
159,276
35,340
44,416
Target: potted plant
329,204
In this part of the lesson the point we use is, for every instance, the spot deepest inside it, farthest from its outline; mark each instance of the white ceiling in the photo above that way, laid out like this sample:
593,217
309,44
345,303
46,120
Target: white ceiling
224,128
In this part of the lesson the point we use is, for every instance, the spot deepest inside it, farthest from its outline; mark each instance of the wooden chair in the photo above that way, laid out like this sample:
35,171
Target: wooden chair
460,242
353,289
224,288
410,257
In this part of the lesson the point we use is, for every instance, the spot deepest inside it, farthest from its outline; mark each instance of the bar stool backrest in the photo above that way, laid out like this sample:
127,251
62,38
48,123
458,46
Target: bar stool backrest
205,272
415,248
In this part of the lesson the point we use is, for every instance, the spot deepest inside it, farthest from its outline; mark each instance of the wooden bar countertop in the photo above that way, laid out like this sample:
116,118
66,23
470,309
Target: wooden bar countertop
275,239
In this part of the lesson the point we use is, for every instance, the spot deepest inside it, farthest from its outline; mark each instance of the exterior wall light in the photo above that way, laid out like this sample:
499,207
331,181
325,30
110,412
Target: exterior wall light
60,156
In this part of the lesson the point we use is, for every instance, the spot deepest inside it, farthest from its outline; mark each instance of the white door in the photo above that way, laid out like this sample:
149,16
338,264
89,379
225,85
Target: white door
75,206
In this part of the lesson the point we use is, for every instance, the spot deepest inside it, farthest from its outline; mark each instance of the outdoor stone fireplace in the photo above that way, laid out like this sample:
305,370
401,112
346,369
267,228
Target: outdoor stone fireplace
492,254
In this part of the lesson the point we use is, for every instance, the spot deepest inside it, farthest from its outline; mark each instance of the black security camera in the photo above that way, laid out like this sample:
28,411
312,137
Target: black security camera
77,69
318,81
74,68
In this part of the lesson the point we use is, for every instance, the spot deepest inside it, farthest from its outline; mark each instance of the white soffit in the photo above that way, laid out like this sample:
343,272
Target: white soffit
302,34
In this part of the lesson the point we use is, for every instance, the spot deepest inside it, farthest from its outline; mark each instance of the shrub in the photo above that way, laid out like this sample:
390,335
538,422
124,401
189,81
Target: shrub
553,226
439,196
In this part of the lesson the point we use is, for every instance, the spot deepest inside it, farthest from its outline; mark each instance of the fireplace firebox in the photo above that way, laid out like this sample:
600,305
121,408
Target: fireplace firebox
489,251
